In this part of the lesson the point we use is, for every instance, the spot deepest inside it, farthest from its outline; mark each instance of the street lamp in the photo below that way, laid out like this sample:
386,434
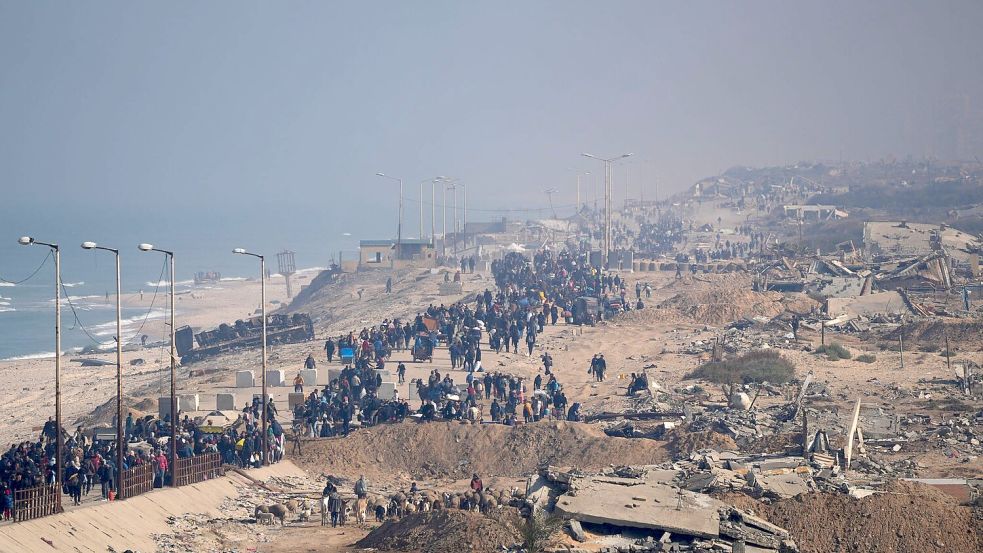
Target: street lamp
59,454
262,278
174,419
606,244
399,225
120,443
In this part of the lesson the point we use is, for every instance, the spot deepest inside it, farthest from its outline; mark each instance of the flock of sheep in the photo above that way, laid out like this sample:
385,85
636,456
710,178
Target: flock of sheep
392,507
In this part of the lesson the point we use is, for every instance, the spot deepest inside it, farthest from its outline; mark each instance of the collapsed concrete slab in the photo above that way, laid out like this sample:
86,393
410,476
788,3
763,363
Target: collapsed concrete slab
646,505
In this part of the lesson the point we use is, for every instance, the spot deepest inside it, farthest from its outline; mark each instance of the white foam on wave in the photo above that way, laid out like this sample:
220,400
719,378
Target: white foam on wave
7,309
72,284
109,329
312,270
11,284
233,279
168,283
28,357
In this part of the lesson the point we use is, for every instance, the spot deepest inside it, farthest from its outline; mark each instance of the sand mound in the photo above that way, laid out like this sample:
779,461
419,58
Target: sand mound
721,299
105,414
963,335
455,450
910,518
445,530
683,443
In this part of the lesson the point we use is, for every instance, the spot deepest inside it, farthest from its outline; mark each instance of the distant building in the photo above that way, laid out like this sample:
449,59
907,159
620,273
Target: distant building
814,212
383,254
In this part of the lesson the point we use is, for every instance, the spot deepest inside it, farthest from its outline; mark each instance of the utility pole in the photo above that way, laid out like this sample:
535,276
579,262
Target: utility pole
606,243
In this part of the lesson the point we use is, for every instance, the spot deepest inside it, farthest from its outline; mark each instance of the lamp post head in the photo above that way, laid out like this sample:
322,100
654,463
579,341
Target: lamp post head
25,240
145,247
239,250
88,245
380,174
585,154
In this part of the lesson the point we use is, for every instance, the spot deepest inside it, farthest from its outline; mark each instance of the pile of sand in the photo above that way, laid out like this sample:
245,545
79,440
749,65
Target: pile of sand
964,335
683,443
446,530
909,518
439,449
721,299
105,414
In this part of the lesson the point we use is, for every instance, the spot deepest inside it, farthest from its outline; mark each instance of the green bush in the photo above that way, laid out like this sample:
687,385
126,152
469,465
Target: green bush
755,366
867,358
834,351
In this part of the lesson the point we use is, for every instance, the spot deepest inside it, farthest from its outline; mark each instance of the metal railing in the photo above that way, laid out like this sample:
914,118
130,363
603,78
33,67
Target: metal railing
39,501
137,480
198,468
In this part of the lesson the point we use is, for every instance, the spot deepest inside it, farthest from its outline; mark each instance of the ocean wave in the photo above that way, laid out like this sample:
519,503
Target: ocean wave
7,284
312,270
11,309
72,284
163,283
233,279
109,329
43,355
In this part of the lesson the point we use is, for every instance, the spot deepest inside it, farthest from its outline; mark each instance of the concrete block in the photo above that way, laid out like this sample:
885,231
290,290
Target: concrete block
225,402
187,402
163,406
244,379
309,376
274,378
295,399
387,376
386,391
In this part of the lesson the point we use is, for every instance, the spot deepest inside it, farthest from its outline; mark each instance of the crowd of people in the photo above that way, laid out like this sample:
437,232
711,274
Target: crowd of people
532,294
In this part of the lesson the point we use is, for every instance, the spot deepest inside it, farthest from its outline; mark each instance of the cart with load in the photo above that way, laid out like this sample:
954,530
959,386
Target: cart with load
422,347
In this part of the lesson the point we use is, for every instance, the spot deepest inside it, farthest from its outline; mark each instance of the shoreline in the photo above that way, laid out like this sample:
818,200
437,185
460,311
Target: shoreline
152,313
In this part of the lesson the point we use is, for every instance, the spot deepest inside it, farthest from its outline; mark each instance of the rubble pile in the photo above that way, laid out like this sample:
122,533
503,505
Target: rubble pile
652,514
447,530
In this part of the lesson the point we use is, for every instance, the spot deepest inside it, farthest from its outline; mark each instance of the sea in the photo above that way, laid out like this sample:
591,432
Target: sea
88,303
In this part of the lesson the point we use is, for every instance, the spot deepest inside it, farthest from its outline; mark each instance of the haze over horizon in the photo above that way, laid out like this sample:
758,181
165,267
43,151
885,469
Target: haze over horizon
264,124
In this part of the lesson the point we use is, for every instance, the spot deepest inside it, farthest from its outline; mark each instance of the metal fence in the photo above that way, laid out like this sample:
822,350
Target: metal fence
137,480
198,468
39,501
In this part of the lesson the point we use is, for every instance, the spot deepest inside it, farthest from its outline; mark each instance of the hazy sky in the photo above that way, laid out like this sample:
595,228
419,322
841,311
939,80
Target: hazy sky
200,118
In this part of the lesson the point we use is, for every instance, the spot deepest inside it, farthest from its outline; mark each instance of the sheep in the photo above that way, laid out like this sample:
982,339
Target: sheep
264,518
279,511
291,505
260,509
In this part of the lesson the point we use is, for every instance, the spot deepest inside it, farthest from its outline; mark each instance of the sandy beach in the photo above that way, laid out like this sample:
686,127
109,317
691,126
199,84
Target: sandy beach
29,383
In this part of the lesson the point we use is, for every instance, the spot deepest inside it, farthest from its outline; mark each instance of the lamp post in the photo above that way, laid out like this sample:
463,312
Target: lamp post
453,186
59,454
606,244
262,278
399,225
174,419
120,439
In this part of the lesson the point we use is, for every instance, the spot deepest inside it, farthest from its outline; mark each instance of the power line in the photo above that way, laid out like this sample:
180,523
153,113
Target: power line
78,322
43,261
154,299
